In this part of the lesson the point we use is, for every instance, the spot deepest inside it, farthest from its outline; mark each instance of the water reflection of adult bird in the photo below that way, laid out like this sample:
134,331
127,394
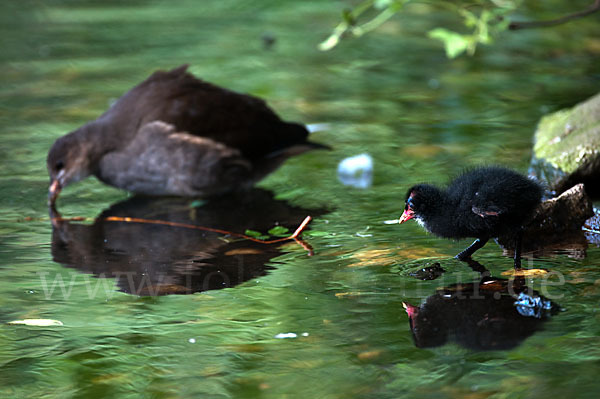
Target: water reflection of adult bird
174,134
152,259
488,314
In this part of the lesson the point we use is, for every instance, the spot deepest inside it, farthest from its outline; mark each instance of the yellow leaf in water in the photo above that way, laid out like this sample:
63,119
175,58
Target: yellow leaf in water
422,150
243,251
592,45
263,386
110,378
246,348
415,253
372,257
37,322
368,355
343,294
525,272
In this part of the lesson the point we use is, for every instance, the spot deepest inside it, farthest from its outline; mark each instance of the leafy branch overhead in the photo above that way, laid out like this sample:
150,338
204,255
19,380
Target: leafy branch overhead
483,20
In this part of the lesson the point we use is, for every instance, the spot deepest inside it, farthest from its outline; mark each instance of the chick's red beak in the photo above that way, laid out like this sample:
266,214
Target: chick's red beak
410,309
406,215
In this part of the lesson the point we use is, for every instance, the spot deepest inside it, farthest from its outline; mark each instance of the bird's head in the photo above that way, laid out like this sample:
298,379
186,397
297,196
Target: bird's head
420,200
68,161
409,210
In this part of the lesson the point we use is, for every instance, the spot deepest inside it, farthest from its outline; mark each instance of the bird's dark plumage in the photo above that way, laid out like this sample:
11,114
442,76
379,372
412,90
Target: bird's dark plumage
482,203
174,134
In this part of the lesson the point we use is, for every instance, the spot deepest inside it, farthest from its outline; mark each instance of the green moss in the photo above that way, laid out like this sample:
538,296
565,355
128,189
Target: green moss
568,139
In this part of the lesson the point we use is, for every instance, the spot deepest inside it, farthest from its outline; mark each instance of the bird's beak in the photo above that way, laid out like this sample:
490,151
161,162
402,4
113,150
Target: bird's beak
53,191
410,309
56,184
406,215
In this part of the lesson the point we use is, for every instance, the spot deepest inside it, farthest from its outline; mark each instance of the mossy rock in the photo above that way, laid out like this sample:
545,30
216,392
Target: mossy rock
567,148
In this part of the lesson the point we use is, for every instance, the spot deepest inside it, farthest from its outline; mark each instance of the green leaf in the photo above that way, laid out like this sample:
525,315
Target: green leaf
330,42
454,42
279,231
380,4
197,203
471,19
314,233
348,18
255,234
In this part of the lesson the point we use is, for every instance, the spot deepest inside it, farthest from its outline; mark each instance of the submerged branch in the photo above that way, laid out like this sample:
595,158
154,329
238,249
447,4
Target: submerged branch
56,218
225,232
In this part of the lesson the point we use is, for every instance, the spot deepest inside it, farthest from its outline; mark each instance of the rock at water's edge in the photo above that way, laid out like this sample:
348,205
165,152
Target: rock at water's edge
566,148
557,223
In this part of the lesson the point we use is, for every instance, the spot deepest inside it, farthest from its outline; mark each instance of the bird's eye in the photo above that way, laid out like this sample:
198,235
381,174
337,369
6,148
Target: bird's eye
59,165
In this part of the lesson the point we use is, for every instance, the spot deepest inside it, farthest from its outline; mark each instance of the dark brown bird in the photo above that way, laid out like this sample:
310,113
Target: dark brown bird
174,134
482,203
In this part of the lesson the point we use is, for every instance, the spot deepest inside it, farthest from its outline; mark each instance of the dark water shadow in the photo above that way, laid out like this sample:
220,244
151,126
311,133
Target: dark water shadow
488,314
152,259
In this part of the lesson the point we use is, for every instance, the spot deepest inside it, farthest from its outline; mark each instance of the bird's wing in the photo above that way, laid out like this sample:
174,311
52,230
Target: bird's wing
192,105
488,211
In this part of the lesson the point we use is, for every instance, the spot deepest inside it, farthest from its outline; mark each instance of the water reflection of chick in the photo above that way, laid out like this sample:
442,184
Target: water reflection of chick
152,259
489,314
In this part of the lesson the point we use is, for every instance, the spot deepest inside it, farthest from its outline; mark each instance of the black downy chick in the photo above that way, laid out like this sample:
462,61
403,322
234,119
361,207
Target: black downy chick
483,203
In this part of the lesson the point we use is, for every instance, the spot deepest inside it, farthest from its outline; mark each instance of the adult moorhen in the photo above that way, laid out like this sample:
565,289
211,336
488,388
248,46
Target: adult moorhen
483,203
174,134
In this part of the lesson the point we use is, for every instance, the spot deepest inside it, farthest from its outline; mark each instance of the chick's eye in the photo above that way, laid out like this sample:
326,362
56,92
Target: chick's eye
59,165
